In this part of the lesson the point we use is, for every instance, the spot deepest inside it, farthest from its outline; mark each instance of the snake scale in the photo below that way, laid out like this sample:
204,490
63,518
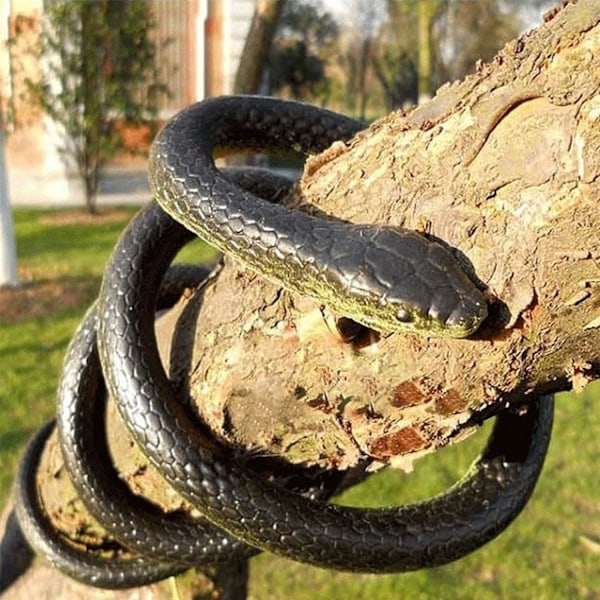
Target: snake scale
387,279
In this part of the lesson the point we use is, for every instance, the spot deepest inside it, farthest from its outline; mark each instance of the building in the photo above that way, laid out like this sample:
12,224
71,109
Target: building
206,41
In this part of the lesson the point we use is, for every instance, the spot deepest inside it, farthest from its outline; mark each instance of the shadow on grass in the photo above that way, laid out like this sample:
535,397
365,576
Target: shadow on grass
47,298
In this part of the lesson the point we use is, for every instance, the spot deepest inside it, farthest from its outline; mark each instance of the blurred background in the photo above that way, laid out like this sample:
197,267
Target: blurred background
361,57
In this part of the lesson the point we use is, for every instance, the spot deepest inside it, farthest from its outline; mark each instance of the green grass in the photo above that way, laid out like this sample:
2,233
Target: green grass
551,552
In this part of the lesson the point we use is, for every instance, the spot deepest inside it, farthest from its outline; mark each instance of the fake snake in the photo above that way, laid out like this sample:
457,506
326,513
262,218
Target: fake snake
386,279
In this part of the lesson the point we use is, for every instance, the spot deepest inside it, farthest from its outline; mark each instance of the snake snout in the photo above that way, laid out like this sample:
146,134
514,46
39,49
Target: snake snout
457,314
467,316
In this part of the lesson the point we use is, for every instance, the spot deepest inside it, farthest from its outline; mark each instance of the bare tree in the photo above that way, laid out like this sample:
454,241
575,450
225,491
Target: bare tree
366,17
426,13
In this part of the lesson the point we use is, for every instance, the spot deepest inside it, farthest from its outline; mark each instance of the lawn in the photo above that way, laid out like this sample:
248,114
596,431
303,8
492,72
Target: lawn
552,550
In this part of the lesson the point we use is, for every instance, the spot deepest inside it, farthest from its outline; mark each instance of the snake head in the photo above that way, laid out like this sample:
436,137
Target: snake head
407,282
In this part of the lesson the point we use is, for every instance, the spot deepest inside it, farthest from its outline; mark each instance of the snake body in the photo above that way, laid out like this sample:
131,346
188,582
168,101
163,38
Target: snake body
433,295
86,567
165,544
257,511
263,514
386,278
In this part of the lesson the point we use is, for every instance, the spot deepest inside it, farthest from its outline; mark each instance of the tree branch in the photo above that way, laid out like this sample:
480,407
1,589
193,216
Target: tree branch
502,166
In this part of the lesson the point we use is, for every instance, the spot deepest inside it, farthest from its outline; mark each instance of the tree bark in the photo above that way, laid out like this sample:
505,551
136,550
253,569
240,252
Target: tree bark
502,166
505,167
254,58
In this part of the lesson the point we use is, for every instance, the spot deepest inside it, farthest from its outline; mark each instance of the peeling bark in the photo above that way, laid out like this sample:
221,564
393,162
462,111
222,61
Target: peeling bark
503,166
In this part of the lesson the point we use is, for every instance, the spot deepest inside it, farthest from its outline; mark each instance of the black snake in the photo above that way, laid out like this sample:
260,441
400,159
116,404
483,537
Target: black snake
351,267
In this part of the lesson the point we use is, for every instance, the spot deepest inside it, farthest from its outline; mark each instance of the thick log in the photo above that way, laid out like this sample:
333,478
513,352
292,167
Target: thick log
503,166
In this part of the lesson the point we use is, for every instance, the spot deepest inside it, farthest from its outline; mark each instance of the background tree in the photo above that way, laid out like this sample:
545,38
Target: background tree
394,56
302,50
467,32
250,71
99,72
365,18
426,11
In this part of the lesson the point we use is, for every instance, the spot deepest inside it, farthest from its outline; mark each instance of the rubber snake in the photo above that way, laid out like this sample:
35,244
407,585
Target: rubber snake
187,184
385,278
263,514
167,543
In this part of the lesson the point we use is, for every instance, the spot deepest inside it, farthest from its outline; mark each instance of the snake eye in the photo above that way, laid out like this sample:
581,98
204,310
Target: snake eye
404,316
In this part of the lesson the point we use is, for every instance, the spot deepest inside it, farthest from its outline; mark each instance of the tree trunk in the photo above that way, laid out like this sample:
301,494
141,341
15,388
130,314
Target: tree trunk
425,12
8,250
254,58
505,167
363,87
